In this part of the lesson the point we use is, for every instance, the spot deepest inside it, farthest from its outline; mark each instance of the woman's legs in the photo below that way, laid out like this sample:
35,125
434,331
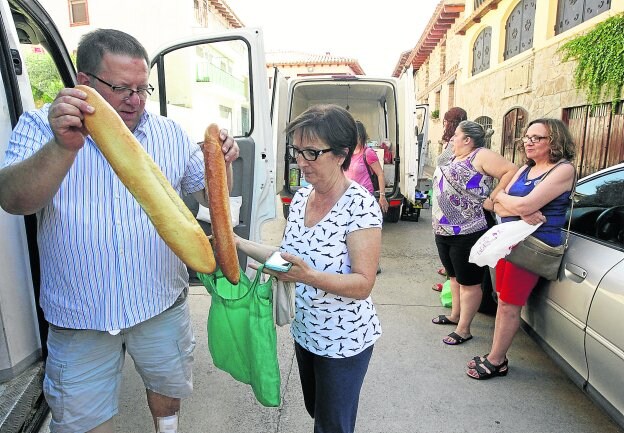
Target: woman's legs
455,301
506,325
469,301
514,285
331,388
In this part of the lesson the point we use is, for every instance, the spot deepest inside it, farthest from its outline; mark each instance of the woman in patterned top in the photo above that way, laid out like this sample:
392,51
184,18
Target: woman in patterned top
333,240
462,186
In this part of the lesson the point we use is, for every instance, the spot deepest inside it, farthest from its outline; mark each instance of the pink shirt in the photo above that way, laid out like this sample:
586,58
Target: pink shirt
357,170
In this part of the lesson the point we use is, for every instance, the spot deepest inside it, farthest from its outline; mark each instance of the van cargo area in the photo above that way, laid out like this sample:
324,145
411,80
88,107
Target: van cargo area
374,102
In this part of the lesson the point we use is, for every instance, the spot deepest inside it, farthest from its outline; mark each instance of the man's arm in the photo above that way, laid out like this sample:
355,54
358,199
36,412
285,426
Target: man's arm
28,186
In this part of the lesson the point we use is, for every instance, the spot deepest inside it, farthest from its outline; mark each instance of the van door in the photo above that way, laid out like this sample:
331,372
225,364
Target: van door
279,116
35,66
221,78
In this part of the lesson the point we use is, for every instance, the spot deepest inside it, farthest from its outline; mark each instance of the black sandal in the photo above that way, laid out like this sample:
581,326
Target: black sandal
486,370
442,320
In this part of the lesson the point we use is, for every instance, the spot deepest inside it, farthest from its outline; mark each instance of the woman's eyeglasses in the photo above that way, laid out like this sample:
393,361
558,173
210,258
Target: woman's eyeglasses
126,92
533,139
308,154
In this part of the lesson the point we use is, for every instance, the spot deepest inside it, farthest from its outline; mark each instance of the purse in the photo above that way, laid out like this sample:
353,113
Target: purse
538,257
241,334
373,177
283,302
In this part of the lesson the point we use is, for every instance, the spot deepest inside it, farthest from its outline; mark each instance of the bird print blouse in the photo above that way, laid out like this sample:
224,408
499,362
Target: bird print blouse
326,324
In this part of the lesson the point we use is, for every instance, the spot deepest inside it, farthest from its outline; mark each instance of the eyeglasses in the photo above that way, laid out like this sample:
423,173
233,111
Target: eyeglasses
308,154
126,92
533,139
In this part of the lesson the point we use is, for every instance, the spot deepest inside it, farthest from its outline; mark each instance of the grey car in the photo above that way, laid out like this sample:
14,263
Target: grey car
576,319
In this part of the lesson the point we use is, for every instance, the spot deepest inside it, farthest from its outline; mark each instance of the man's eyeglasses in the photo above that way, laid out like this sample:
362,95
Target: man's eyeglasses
308,154
533,139
126,92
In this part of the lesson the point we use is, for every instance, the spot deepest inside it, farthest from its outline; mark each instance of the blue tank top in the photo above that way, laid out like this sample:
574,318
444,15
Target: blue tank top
554,211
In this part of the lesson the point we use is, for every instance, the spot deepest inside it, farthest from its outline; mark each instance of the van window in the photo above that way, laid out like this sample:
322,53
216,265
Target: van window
206,83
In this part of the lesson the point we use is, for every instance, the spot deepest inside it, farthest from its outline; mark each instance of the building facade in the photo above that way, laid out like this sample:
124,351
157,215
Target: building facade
500,61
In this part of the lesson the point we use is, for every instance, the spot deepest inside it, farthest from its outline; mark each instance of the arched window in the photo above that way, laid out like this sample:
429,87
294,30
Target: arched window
571,13
481,51
486,122
513,125
519,29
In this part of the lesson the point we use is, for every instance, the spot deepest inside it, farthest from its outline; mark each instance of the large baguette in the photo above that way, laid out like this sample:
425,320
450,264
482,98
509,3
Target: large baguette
219,205
173,221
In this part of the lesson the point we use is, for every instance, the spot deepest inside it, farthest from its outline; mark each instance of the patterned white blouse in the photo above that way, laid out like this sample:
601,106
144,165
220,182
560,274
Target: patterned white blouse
326,324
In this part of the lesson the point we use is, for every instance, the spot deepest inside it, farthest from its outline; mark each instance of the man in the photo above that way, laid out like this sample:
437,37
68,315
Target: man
109,283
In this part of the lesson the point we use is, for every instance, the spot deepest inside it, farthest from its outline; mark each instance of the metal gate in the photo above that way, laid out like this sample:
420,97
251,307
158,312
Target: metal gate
513,126
598,134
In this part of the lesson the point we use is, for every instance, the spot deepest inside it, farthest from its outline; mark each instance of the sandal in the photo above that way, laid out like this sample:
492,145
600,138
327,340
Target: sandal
484,369
437,287
442,272
472,364
442,320
458,339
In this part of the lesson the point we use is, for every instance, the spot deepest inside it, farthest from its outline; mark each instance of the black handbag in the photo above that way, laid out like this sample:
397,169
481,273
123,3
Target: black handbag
539,257
371,173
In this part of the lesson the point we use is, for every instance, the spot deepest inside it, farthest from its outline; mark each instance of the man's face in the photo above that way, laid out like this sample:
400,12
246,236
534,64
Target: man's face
122,72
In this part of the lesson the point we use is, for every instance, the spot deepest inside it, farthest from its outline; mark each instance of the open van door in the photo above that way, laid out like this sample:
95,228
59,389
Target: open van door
35,66
279,116
221,78
415,136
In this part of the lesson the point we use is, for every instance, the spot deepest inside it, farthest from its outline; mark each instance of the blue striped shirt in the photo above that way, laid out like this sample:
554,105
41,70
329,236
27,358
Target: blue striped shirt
103,265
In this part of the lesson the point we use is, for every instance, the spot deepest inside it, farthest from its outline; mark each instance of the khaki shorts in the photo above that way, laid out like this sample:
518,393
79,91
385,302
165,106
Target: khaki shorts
84,367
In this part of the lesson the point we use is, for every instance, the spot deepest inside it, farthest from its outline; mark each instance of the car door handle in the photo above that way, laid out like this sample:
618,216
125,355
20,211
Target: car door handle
575,273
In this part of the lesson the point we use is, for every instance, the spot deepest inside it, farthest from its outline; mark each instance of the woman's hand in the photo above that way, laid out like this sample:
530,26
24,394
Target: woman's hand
383,203
534,218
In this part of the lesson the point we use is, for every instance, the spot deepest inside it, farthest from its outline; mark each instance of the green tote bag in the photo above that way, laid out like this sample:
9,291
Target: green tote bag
241,332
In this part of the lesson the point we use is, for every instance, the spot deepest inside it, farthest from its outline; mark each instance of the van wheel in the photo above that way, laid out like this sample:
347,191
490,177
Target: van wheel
393,214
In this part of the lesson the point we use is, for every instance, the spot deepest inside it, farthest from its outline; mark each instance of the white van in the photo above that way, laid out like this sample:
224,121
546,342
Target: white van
386,107
189,88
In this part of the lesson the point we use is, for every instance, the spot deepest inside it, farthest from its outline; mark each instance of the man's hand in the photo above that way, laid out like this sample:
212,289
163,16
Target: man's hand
230,148
65,115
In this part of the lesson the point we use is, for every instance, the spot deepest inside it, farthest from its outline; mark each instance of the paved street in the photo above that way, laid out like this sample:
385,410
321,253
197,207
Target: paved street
415,382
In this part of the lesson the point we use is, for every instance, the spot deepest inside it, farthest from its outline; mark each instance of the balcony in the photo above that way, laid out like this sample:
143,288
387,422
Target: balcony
209,73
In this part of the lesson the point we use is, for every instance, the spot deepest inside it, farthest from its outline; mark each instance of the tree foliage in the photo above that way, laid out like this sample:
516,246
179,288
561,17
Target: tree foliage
45,80
600,60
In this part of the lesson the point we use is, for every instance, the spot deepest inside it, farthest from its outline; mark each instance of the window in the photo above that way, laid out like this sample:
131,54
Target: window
599,208
513,127
486,122
451,94
571,13
519,29
78,12
481,51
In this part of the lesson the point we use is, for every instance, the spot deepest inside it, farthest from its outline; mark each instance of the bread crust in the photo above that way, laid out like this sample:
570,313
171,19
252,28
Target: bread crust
173,221
219,205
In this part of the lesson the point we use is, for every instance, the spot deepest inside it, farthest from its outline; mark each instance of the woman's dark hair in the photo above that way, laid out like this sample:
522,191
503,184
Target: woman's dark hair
331,124
561,142
95,44
453,118
475,131
361,132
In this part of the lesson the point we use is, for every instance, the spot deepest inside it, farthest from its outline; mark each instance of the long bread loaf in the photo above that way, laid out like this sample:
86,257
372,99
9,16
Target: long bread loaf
173,221
219,205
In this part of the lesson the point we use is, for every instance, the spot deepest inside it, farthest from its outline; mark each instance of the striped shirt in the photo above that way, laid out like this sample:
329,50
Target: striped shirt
103,265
